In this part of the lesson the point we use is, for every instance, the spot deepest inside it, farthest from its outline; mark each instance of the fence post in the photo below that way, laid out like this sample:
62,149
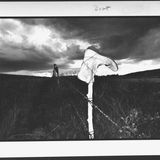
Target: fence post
90,110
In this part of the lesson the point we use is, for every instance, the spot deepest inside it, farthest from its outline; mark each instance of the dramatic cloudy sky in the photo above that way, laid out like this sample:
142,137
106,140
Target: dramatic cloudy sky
31,46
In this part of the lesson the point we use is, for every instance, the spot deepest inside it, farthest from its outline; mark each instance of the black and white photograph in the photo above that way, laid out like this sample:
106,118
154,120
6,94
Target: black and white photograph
79,78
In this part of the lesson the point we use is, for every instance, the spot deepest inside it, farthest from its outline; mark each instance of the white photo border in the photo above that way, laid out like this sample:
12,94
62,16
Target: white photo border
79,8
79,148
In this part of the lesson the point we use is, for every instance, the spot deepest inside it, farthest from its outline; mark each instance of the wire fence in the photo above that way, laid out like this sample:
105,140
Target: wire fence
98,108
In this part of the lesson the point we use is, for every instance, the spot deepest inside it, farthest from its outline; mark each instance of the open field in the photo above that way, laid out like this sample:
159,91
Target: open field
35,108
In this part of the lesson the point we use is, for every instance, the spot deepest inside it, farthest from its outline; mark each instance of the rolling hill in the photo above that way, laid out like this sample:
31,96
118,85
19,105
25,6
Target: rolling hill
41,108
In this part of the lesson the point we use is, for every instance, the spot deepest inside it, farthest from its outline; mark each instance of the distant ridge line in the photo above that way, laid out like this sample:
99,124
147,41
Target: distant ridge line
148,73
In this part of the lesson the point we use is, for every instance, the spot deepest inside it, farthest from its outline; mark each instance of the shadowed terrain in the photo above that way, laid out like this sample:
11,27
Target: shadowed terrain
36,108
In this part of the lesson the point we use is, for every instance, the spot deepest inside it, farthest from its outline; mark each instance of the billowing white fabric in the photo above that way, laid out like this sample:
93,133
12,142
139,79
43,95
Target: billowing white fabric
92,60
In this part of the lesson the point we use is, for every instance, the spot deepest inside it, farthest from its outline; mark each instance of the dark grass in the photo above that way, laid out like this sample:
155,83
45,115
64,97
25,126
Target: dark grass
34,108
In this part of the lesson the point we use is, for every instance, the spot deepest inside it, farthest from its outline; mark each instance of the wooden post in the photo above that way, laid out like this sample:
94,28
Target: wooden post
92,60
90,111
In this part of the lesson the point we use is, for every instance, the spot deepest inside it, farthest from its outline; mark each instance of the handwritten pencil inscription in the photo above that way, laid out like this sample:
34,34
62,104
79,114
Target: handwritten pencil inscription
101,8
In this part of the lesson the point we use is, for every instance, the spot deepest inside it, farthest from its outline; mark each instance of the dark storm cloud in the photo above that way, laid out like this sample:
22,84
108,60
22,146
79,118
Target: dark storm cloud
118,38
32,62
74,52
8,65
29,45
148,46
66,28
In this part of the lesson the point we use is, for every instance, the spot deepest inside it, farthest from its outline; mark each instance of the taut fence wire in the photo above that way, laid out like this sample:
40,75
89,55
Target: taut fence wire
69,85
122,128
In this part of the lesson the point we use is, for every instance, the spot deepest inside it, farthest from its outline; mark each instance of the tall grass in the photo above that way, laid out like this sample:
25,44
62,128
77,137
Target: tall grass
39,109
8,123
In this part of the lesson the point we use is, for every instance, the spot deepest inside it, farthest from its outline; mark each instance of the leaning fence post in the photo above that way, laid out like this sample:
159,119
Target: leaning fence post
90,111
91,62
